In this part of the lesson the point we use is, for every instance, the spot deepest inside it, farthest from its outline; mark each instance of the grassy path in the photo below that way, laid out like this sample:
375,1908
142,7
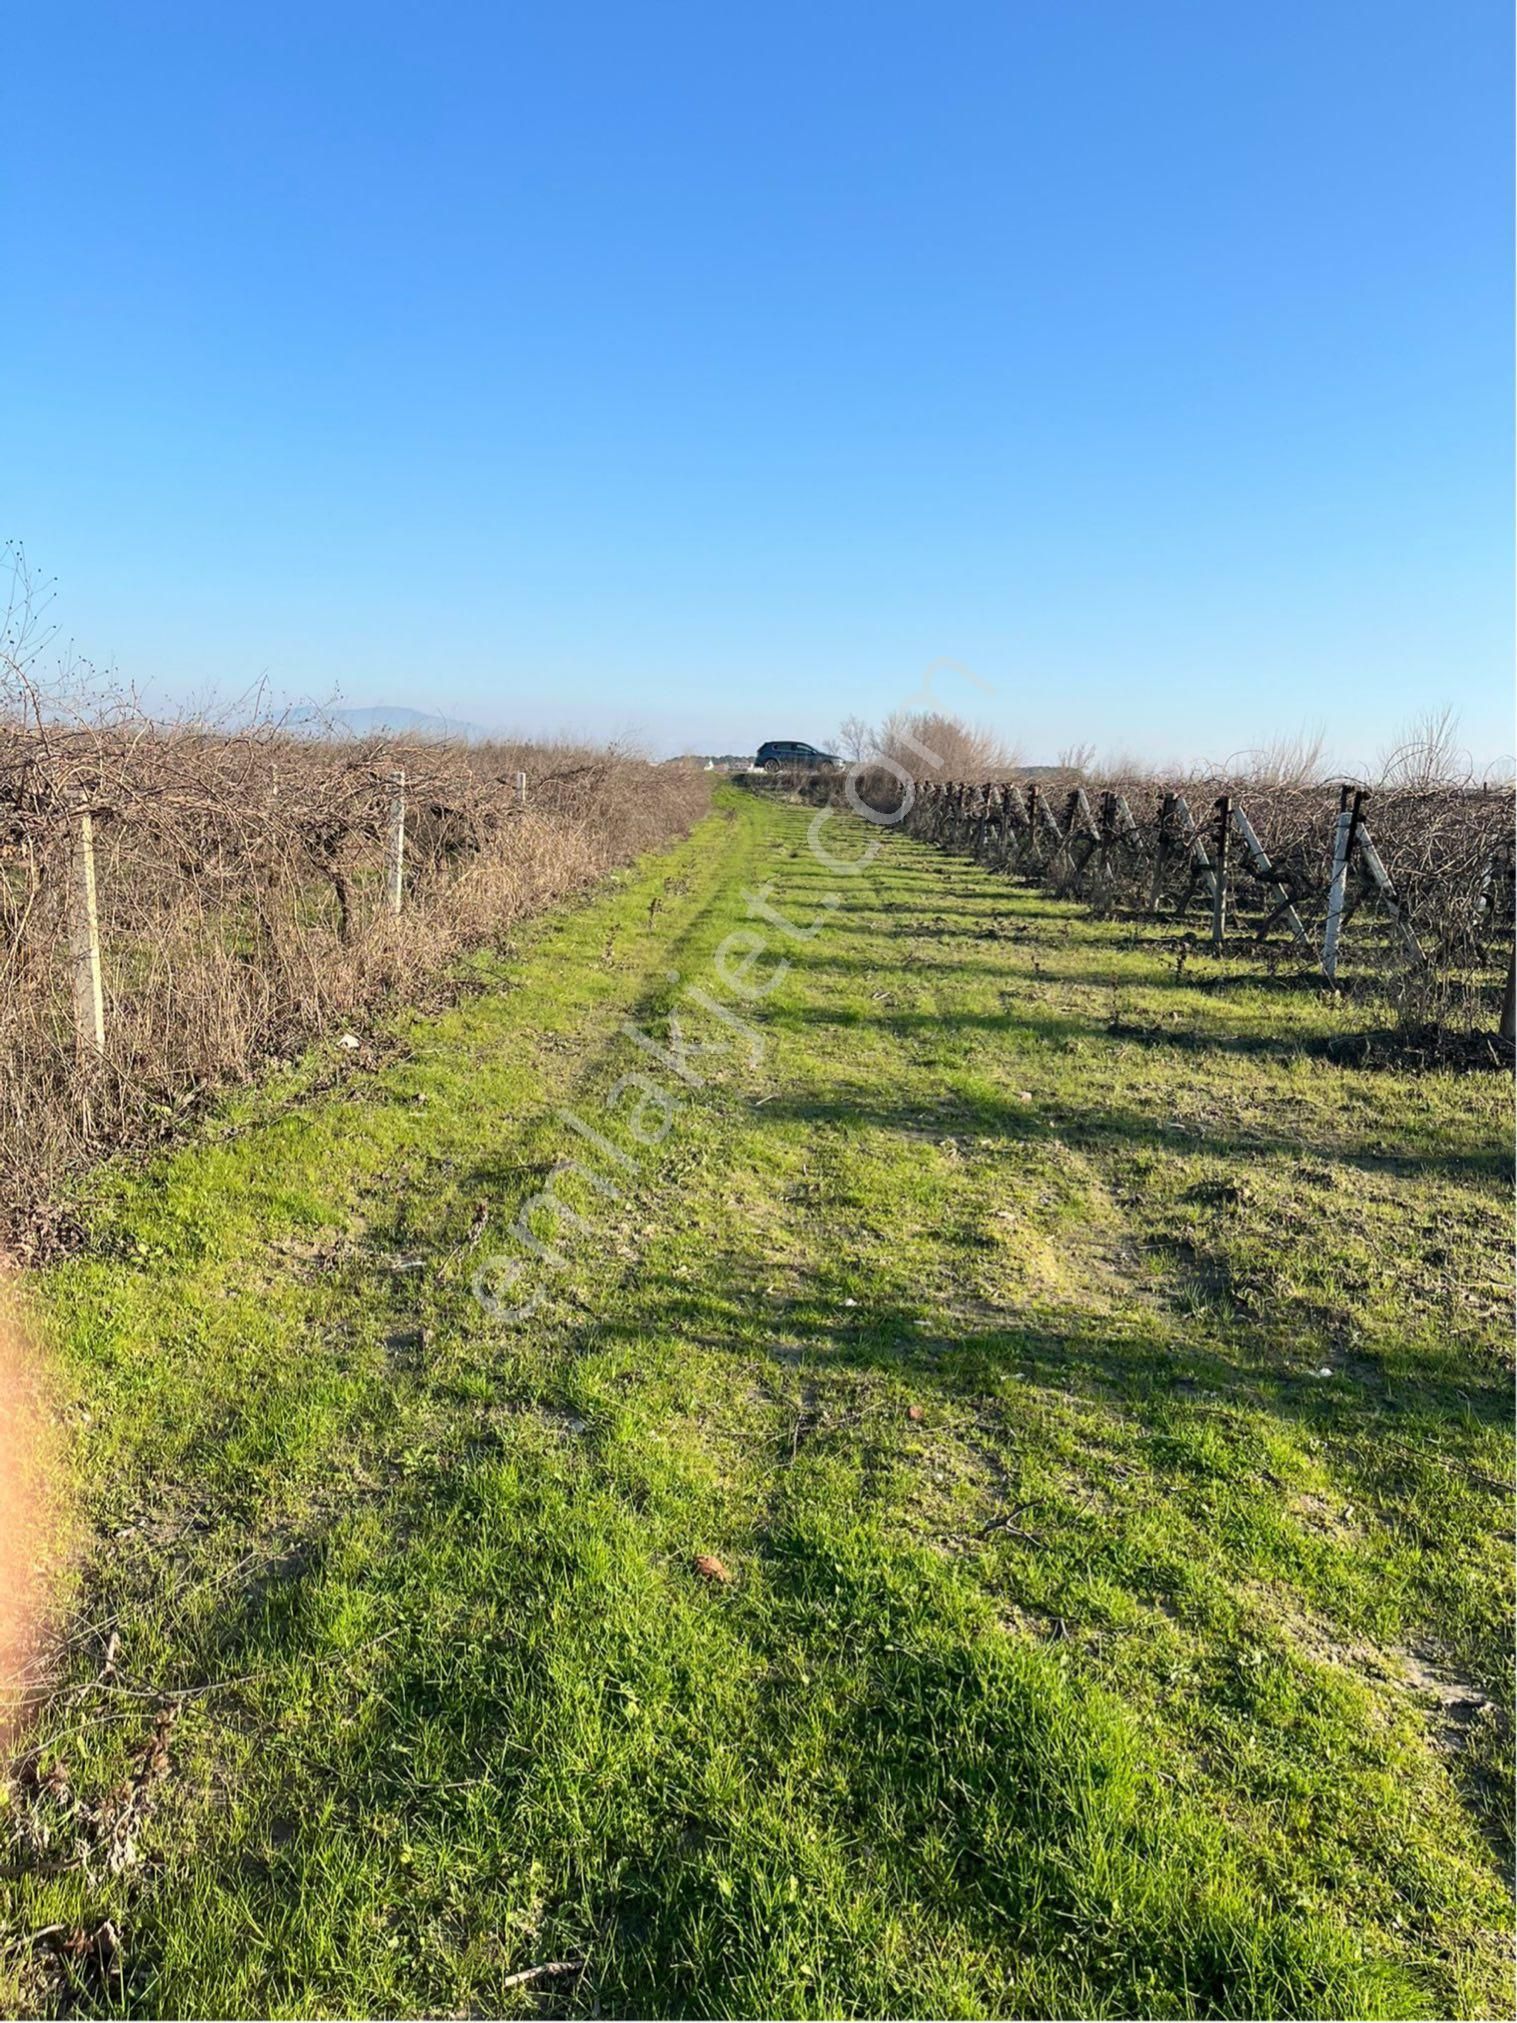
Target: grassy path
1096,1397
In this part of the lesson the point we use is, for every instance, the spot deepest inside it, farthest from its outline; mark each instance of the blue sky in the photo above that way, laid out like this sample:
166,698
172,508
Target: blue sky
709,372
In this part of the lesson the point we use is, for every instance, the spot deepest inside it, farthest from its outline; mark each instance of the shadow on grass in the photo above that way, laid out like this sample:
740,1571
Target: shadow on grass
1152,1367
733,1801
1084,1127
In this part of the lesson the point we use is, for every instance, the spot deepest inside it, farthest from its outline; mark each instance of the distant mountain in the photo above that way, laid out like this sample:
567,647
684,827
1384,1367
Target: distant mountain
377,720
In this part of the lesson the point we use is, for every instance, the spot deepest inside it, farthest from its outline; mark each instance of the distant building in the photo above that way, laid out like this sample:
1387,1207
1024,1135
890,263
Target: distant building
718,762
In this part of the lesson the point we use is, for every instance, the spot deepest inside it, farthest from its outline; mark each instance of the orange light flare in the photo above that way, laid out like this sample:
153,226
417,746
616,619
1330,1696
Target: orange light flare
24,1472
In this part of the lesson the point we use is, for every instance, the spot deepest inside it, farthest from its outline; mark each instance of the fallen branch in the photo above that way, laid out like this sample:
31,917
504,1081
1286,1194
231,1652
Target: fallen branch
549,1967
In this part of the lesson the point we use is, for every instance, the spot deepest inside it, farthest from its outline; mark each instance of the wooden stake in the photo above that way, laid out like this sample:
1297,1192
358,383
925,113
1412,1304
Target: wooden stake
1003,854
1343,842
1020,833
1062,864
1195,848
961,794
521,790
84,939
982,826
1219,883
1092,837
397,854
1034,834
1161,851
1104,847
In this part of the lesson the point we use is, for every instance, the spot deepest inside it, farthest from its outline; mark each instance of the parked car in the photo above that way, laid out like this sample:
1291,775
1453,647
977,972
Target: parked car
785,754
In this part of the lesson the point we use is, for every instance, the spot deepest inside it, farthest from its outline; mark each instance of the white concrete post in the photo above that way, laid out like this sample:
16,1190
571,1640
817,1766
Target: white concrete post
84,937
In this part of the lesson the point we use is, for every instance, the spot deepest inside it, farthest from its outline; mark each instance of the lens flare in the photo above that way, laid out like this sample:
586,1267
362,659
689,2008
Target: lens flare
22,1471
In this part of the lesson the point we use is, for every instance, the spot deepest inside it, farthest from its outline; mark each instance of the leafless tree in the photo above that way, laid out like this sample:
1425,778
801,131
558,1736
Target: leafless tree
855,738
1289,760
931,744
1426,754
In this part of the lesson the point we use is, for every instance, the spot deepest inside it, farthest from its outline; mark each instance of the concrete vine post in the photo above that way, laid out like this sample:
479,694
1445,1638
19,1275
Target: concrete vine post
84,938
1265,872
1107,844
396,881
1219,883
1349,805
1390,899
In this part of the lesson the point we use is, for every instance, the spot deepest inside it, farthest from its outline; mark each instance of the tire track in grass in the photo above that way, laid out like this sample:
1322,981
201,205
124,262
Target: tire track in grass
209,1580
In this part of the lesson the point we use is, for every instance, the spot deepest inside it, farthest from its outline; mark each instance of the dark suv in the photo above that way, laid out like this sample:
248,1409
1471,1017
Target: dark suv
784,753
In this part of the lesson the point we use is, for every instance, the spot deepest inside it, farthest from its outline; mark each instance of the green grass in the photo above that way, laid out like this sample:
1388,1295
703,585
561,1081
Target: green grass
1098,1395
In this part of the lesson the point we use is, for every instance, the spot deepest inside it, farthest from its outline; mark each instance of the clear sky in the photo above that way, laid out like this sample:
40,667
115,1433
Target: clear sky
711,370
